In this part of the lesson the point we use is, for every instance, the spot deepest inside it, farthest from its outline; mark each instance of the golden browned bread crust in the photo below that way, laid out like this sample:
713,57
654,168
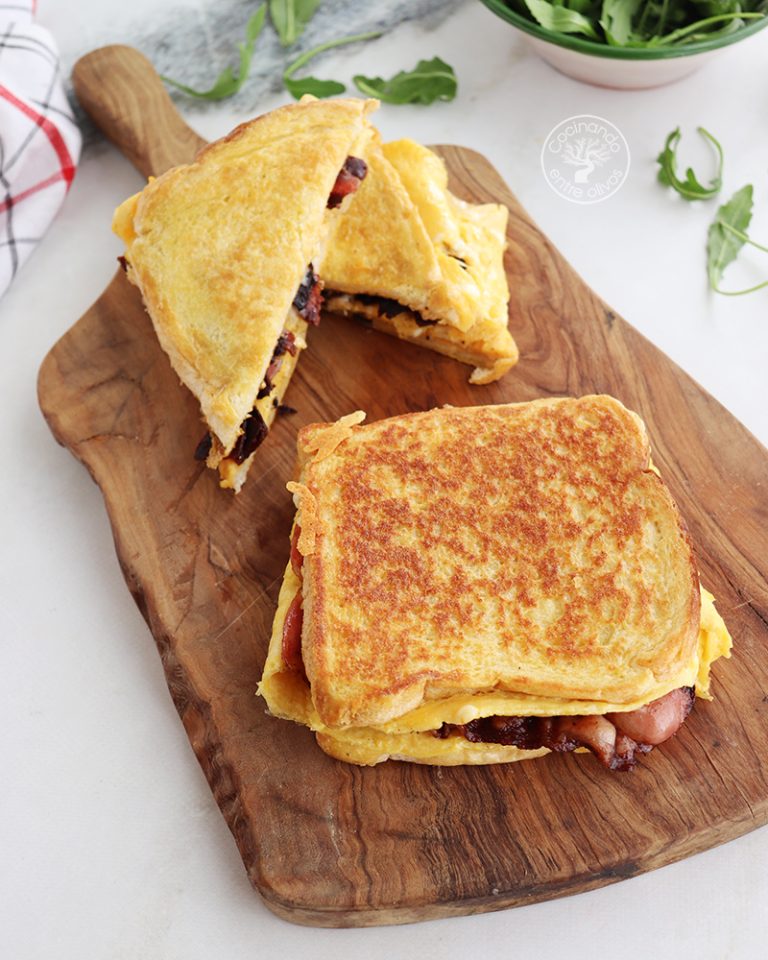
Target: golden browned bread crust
522,547
219,247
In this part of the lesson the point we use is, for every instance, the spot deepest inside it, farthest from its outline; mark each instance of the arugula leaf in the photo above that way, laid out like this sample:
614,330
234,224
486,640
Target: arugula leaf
290,17
318,88
561,19
616,20
227,83
429,80
727,235
313,86
722,245
689,188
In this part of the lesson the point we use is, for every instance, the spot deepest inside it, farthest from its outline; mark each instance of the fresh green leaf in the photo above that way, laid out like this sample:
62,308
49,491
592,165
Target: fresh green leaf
723,245
561,19
616,20
726,238
318,88
228,83
313,86
689,188
429,80
290,17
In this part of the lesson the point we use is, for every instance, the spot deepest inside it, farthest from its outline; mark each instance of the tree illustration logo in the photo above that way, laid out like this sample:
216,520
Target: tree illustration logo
585,159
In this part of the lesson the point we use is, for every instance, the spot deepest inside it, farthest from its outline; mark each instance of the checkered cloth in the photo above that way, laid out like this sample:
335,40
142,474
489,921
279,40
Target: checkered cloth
39,140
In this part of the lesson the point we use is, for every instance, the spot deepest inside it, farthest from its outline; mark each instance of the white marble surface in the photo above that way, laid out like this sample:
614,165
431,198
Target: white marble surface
112,845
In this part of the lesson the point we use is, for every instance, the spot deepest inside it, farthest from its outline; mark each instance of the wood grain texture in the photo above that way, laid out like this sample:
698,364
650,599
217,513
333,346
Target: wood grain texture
335,845
121,92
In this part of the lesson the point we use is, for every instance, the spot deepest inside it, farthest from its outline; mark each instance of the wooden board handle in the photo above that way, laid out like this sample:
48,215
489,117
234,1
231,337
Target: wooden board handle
124,96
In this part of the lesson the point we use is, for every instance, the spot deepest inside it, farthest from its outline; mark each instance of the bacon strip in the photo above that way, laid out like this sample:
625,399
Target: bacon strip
291,644
384,305
254,433
286,343
308,301
615,739
656,721
349,179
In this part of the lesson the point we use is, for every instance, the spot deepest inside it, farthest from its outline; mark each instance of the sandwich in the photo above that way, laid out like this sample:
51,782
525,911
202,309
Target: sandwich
489,584
224,251
414,261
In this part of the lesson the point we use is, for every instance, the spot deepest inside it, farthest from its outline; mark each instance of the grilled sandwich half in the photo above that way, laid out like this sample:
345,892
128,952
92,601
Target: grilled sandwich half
224,251
488,584
415,261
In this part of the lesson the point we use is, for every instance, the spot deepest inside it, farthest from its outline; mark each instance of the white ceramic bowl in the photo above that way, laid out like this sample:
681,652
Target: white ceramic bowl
624,68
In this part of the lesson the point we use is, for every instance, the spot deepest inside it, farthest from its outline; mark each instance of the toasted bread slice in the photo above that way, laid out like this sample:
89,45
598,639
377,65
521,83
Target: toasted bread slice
526,550
418,263
220,247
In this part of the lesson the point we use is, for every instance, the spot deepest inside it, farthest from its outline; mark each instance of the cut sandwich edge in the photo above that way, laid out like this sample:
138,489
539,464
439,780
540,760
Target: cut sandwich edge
489,348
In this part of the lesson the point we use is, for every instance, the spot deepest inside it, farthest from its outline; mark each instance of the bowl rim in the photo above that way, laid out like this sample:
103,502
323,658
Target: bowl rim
589,47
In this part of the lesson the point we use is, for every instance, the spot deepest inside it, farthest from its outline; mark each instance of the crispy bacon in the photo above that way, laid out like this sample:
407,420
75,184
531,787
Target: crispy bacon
594,732
349,179
286,343
309,297
615,738
291,645
274,365
253,435
385,306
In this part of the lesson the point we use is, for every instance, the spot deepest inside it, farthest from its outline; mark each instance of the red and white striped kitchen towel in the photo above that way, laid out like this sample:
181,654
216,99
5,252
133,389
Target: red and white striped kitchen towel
39,140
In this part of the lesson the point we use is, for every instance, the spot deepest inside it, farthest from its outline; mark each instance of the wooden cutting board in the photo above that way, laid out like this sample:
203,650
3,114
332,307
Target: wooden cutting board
336,845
